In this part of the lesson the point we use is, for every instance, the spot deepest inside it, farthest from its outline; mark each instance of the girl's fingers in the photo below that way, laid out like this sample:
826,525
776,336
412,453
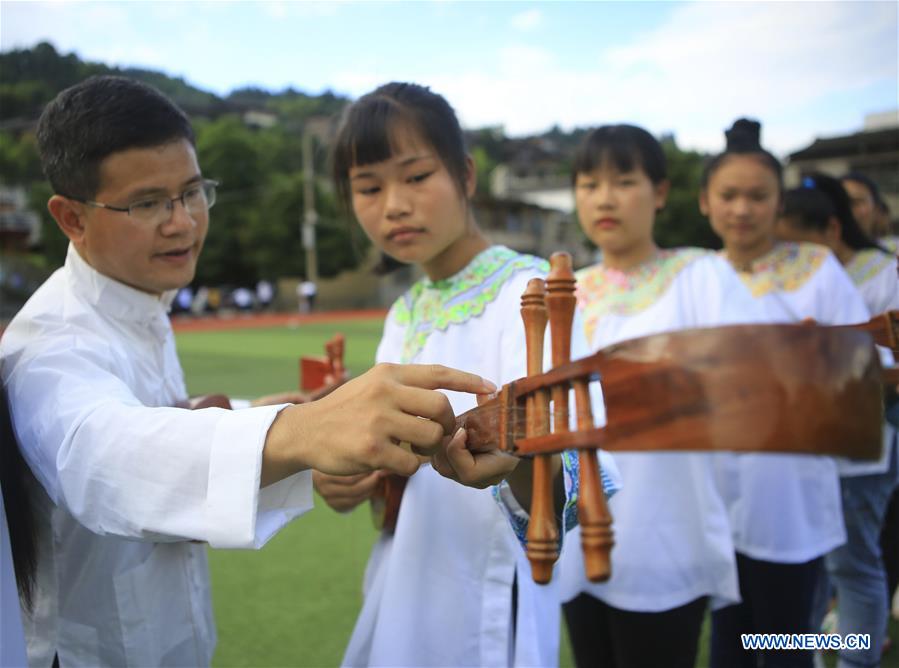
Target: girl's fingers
481,469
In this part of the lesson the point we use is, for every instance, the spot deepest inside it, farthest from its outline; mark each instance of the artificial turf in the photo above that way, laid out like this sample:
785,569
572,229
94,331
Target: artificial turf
294,602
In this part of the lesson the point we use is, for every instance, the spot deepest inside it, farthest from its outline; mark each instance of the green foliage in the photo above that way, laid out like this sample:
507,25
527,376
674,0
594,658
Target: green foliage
19,160
681,223
255,226
484,165
298,107
254,230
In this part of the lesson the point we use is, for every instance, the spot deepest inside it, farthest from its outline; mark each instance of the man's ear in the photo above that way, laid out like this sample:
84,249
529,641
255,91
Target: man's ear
68,215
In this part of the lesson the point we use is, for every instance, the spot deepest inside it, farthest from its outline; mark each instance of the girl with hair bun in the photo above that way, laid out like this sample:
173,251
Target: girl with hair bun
785,510
673,549
451,585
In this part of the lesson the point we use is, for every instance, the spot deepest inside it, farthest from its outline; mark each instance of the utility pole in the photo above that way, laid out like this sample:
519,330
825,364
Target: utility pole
310,216
314,128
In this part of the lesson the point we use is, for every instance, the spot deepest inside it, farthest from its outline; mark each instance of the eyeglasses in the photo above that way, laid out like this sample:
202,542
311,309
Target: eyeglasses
197,199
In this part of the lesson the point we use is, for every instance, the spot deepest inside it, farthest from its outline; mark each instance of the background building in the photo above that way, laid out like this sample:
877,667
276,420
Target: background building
873,151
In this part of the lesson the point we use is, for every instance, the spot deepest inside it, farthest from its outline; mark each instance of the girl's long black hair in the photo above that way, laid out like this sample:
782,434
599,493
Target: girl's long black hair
819,198
14,477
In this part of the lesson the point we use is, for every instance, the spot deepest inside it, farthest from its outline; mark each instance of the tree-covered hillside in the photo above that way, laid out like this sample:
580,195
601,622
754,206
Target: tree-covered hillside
251,140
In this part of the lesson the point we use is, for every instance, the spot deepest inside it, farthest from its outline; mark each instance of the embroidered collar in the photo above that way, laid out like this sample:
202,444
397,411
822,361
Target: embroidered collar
602,291
868,263
785,268
116,299
431,306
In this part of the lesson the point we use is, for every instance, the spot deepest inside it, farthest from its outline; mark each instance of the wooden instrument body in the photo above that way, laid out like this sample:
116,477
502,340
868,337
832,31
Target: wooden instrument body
741,388
748,388
884,329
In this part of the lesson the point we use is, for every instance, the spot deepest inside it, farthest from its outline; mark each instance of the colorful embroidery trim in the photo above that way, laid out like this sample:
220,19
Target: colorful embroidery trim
430,306
602,291
785,269
570,468
868,263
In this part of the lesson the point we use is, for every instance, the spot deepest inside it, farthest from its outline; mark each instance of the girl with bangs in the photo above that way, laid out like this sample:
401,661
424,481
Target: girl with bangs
785,510
451,586
673,549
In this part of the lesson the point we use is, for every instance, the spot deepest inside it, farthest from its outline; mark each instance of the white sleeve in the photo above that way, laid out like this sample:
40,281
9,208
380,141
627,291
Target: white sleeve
888,288
390,348
839,302
160,474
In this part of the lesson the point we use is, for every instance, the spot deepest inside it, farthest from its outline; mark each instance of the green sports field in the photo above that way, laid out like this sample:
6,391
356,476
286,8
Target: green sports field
294,602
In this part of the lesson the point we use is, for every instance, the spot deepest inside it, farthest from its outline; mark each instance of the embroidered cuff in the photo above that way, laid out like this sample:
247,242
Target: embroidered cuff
519,518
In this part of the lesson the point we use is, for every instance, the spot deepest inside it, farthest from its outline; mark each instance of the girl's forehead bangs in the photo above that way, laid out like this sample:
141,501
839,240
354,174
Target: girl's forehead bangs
622,156
368,139
376,133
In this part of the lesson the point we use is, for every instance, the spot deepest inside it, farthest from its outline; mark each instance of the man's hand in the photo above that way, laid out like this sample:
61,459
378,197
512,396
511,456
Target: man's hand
480,470
345,492
357,428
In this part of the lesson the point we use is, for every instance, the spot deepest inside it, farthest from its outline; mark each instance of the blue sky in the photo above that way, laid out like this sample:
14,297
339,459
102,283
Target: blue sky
805,69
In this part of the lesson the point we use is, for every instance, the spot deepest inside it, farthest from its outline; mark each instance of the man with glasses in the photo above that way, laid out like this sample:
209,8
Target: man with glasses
129,487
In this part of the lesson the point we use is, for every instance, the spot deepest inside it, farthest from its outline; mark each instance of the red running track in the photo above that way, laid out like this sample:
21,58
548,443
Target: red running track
254,320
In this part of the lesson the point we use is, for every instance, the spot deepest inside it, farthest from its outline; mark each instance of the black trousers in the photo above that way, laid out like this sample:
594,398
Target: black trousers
889,543
607,637
777,598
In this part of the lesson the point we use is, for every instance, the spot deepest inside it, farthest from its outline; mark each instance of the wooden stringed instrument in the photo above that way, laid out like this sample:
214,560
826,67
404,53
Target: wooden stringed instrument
752,388
749,388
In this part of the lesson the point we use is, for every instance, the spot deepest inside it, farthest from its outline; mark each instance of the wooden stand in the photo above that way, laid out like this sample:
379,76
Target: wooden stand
543,532
592,509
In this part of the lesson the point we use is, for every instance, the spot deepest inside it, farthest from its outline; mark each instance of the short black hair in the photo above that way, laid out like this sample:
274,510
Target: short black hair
820,197
368,126
100,116
743,138
627,147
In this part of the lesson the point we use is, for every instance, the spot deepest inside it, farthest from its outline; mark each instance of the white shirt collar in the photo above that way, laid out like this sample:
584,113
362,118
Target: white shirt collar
116,299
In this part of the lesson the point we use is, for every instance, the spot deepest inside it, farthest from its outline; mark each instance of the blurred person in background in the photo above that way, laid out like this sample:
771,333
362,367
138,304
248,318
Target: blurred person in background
870,210
673,549
781,537
820,212
451,585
